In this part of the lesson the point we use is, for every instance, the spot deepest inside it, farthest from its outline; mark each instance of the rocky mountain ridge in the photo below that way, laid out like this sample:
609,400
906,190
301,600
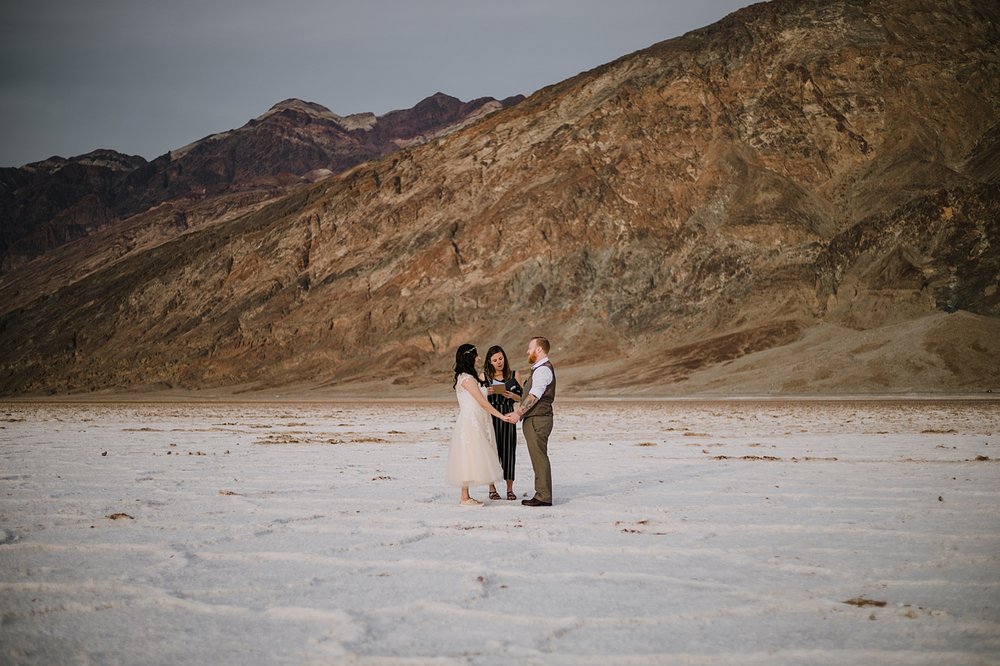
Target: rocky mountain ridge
46,204
800,198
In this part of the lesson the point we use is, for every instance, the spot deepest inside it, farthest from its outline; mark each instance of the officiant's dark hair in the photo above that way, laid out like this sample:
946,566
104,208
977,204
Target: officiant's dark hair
488,366
465,361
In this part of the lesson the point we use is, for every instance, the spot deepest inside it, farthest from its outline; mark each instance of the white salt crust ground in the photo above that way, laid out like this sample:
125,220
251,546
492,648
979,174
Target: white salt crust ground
324,533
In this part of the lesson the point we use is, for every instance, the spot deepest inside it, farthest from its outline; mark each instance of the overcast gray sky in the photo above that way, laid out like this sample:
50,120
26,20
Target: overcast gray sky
146,76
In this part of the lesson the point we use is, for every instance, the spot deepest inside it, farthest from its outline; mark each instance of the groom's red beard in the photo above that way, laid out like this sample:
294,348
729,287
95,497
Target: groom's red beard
532,357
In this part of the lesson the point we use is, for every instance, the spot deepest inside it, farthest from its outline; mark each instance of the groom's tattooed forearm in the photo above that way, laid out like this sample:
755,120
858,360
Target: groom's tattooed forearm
527,404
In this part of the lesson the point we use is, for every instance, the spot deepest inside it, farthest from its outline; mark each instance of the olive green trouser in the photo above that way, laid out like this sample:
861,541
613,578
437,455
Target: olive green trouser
536,431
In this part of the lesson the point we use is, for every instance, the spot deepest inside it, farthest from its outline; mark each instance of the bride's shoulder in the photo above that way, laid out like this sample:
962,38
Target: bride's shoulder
468,381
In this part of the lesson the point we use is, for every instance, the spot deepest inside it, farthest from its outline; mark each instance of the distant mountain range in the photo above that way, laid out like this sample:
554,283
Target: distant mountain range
800,198
46,204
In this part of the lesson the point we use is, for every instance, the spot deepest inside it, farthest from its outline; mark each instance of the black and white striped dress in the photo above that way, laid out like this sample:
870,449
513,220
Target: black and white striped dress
506,433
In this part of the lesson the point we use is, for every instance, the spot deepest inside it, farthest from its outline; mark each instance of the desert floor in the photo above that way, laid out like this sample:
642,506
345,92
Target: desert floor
686,532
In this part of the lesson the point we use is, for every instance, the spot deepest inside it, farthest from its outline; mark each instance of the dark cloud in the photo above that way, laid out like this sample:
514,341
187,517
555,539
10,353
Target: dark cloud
144,77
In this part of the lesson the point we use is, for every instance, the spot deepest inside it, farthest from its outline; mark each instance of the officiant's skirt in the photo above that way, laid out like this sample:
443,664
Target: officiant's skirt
506,434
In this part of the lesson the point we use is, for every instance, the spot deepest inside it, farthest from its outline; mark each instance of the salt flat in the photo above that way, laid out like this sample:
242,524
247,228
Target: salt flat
722,532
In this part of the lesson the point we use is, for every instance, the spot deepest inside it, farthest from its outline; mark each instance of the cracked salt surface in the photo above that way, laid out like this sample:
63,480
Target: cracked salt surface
741,532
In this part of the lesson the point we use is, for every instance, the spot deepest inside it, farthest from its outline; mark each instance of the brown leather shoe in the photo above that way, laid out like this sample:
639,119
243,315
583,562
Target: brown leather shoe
534,501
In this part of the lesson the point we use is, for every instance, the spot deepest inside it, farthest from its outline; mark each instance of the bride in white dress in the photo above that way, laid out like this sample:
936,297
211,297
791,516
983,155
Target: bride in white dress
472,459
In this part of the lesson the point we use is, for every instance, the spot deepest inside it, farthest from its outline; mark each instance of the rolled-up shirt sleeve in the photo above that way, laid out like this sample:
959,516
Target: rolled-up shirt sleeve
541,377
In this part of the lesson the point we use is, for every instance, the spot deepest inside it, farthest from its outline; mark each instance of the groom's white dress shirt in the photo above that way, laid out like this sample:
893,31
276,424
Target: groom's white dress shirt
541,377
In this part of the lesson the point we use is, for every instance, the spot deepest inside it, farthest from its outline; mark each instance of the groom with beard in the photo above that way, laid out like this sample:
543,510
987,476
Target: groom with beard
536,411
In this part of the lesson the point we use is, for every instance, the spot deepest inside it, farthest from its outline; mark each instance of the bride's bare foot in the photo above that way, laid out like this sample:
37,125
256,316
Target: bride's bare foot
469,501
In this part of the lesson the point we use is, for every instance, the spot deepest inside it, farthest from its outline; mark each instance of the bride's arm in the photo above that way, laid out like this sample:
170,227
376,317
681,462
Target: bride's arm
472,387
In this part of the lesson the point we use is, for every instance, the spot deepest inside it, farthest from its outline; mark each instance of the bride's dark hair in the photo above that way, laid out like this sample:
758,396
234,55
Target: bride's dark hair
465,362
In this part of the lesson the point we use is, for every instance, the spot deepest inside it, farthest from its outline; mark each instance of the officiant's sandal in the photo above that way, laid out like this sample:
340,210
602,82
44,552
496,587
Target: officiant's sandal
494,495
511,495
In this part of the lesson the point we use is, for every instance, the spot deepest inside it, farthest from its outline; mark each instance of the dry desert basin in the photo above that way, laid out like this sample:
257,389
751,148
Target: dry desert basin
752,531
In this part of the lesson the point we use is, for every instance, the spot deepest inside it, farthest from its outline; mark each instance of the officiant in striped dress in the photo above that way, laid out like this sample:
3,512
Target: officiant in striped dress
503,390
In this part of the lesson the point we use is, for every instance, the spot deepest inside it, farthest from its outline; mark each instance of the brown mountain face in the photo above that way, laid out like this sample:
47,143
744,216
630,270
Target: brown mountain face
47,204
800,198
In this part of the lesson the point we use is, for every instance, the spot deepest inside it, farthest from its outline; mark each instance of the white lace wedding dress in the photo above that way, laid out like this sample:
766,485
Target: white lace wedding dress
472,459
